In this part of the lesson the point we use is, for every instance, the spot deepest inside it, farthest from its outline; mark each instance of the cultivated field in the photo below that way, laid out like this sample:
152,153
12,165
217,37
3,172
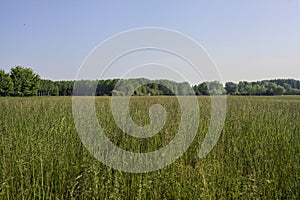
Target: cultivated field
257,156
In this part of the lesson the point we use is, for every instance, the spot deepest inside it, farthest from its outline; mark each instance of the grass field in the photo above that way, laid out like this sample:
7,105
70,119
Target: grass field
257,156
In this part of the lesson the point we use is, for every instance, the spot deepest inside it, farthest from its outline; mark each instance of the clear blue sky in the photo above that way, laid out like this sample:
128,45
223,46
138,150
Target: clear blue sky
248,40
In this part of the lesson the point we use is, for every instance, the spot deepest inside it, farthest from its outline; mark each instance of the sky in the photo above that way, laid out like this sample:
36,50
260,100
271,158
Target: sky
247,40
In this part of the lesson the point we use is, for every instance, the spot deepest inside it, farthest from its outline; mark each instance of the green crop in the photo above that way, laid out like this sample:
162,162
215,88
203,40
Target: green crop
257,156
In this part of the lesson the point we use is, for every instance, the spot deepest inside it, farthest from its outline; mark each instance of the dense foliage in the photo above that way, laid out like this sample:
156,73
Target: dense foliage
265,87
167,87
20,82
6,84
24,82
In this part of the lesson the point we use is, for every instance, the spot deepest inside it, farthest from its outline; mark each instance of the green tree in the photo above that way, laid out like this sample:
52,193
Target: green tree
26,82
249,89
271,88
259,89
203,88
279,90
65,88
6,84
294,91
245,88
216,88
231,88
185,89
48,88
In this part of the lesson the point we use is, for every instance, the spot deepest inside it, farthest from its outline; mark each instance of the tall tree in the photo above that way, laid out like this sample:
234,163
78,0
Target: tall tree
6,84
279,90
26,82
216,88
48,88
231,88
203,88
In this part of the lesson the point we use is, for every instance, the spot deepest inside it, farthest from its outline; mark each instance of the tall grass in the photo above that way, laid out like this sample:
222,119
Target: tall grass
257,156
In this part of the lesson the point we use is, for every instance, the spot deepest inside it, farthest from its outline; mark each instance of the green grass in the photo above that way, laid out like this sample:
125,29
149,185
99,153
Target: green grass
257,156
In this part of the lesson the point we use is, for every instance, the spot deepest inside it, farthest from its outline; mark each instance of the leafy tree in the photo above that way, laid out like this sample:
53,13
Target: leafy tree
203,89
216,88
279,90
48,88
231,88
106,87
26,82
286,86
85,88
293,91
6,84
184,89
244,88
65,88
271,88
259,89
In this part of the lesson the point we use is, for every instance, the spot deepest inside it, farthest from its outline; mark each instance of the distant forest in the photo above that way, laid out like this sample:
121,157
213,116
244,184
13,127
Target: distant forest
25,82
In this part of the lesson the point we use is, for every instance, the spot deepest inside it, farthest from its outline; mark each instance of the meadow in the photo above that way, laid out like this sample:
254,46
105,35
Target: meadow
256,157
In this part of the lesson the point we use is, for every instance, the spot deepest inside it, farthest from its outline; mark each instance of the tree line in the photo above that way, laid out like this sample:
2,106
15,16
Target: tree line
22,81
